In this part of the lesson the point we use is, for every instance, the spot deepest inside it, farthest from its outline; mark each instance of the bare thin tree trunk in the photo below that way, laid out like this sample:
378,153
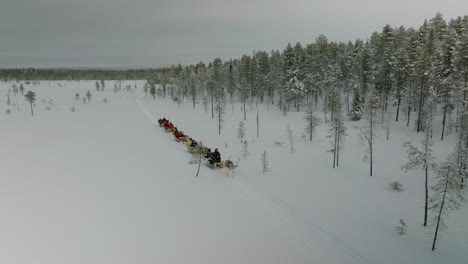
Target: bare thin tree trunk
443,123
370,140
257,125
421,96
212,107
440,214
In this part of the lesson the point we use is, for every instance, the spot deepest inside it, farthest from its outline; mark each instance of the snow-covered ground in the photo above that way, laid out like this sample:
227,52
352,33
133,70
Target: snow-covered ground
105,184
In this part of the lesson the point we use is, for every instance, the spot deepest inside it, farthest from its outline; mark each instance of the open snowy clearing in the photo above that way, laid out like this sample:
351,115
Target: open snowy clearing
105,184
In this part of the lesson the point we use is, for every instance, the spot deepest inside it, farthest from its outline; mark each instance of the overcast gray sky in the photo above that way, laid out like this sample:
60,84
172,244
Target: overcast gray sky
57,33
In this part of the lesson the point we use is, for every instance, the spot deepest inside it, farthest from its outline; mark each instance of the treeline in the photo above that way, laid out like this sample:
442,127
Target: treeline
415,70
30,74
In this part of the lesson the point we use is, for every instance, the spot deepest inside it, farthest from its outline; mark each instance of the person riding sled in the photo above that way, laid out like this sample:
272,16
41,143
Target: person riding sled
215,157
178,134
162,121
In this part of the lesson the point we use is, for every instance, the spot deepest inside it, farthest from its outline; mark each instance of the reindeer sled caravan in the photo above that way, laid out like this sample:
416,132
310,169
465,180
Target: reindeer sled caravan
213,157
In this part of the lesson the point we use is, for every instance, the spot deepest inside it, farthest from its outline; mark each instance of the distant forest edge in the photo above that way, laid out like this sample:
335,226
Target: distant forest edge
29,74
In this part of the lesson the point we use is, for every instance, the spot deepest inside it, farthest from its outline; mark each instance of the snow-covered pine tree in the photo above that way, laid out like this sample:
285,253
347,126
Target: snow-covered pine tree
422,159
21,88
425,70
97,86
461,148
447,195
146,87
219,108
88,96
357,105
31,98
241,131
152,90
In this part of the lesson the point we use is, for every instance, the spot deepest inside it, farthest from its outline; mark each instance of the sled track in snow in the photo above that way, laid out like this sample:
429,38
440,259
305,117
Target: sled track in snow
271,205
278,207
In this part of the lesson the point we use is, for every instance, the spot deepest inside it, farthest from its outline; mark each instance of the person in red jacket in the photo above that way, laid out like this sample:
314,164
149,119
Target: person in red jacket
178,134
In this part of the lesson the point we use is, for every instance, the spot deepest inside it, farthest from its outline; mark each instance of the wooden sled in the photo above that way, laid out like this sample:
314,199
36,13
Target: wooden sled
182,139
170,129
216,165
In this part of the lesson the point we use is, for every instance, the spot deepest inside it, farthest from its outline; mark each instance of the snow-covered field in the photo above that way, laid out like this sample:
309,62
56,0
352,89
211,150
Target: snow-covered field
105,184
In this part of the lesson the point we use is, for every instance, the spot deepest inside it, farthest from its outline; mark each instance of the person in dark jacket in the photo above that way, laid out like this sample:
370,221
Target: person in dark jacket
215,157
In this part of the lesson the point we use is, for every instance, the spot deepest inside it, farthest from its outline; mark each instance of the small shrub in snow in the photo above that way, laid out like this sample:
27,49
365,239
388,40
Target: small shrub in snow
105,100
396,186
278,144
265,162
401,228
8,111
48,108
73,109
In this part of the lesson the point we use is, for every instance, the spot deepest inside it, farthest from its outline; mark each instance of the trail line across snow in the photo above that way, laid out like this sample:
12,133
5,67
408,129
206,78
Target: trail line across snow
308,229
278,210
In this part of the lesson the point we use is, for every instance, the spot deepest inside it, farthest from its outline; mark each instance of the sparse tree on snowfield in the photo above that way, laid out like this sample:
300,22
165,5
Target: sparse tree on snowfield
146,88
245,148
312,121
197,156
422,159
387,126
31,98
77,97
447,195
212,87
205,103
401,228
290,137
21,88
15,89
88,96
241,131
265,162
219,108
337,133
103,84
153,91
97,86
8,99
368,131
